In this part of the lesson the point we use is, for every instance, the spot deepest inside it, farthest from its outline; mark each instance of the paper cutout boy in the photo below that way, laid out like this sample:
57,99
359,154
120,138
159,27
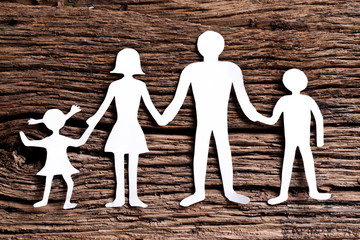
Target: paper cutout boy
57,161
126,137
297,109
211,82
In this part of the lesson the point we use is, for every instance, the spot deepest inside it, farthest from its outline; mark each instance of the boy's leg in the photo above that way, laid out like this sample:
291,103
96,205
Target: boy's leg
133,195
226,167
289,157
70,187
45,199
202,140
120,182
310,173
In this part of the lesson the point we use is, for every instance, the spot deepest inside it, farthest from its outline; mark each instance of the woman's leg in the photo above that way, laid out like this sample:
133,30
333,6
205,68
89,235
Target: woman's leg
45,199
133,195
70,187
120,183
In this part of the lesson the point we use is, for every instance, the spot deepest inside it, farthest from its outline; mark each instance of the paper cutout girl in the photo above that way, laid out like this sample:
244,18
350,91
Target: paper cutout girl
126,137
57,161
297,109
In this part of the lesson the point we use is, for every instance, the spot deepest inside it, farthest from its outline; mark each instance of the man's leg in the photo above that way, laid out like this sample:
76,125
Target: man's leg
202,140
310,173
289,157
225,161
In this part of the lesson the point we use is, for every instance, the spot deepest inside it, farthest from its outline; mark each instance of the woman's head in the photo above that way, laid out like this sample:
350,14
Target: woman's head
295,80
128,62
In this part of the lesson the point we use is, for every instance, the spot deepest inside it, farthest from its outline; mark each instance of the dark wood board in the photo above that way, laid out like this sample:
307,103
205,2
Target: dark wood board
57,53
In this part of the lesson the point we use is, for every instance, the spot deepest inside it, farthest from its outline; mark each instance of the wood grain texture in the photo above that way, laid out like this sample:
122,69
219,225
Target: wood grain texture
57,53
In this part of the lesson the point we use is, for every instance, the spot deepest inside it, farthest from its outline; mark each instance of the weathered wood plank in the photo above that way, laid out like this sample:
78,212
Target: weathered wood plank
53,57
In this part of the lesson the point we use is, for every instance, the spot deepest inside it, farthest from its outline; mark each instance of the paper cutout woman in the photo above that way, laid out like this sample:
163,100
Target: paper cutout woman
297,109
126,137
211,81
57,161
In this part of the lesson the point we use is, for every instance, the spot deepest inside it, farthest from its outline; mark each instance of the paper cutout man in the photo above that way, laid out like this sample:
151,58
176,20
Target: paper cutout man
126,137
297,109
57,161
211,82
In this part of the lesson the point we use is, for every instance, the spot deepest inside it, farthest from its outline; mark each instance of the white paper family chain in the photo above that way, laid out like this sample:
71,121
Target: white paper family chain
211,81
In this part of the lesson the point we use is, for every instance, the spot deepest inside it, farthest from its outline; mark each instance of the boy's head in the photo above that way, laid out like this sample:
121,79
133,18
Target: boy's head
295,80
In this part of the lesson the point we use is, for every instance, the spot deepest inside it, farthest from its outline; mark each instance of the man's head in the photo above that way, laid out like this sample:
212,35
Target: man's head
210,44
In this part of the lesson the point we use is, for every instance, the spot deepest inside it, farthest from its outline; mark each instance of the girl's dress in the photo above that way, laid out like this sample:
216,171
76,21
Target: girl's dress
127,135
57,161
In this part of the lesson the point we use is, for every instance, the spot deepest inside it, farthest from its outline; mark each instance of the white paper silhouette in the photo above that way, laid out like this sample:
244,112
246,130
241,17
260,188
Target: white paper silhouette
211,82
296,109
57,161
126,137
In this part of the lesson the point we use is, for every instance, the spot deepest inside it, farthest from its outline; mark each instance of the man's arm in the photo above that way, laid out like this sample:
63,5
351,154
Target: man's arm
242,97
319,120
178,100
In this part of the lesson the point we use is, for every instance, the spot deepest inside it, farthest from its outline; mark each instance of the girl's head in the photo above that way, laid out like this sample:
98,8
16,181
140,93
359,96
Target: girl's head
128,62
295,80
54,119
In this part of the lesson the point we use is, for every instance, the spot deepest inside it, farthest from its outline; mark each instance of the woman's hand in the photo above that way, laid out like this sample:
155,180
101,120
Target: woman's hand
91,121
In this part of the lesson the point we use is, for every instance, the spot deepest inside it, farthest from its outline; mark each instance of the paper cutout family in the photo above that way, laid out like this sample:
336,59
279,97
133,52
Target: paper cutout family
211,81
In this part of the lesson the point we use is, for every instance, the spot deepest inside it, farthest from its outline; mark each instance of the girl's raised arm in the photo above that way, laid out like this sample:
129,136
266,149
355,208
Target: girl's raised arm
84,137
31,143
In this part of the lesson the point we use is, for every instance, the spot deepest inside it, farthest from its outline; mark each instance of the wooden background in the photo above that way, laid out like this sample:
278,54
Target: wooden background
57,53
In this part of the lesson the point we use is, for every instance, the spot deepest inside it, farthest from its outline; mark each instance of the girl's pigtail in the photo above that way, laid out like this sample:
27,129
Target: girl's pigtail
34,121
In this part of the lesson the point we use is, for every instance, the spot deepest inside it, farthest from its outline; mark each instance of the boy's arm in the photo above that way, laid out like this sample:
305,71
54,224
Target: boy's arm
319,120
278,109
83,139
180,94
150,106
31,143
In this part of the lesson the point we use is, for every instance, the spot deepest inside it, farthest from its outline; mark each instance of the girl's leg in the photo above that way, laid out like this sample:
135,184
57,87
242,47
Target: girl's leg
70,187
120,188
45,199
310,173
289,157
133,195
